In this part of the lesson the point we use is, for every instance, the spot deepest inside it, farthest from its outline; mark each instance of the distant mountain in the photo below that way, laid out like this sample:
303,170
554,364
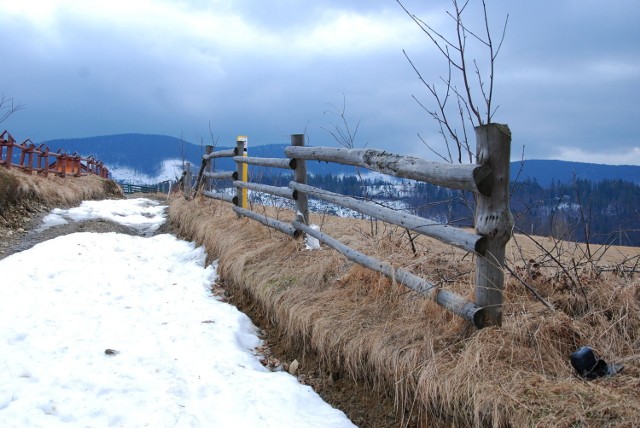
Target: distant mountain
144,156
546,171
144,153
154,158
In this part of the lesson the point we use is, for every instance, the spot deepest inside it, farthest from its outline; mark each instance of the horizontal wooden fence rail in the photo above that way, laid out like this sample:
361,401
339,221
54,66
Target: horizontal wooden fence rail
269,162
447,234
283,192
221,154
221,175
489,180
472,178
43,161
283,227
206,173
451,301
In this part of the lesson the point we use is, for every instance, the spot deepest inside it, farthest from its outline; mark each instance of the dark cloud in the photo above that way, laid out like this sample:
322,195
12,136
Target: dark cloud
566,77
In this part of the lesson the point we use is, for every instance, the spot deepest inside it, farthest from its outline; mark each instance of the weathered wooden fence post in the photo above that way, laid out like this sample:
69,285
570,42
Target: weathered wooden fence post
187,180
493,219
242,169
44,158
78,166
63,166
9,158
300,176
30,150
208,183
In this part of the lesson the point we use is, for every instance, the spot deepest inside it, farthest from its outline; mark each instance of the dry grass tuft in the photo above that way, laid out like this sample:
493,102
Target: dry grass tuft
18,189
432,363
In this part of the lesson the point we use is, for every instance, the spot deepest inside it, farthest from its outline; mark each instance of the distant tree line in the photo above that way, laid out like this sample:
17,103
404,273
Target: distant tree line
602,212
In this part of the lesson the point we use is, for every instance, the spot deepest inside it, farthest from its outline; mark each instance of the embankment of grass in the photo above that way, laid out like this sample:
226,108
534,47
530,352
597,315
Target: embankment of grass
432,363
22,193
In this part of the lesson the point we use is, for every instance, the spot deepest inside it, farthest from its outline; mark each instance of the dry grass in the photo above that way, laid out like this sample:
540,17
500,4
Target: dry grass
430,361
18,189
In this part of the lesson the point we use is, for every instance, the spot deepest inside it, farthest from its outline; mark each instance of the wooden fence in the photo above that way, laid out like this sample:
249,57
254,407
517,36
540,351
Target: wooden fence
44,161
488,180
161,187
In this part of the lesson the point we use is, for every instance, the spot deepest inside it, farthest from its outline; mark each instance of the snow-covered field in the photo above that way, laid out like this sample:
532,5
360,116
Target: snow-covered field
170,169
100,330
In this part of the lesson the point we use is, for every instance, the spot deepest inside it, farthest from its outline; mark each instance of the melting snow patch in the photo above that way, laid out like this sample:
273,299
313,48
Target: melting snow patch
311,242
141,214
109,330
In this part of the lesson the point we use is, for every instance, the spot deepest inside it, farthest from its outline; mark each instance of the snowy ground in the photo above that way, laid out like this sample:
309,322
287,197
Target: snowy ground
117,330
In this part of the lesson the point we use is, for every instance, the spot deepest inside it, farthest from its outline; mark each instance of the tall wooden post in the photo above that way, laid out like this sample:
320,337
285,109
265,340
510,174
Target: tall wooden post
78,166
187,180
45,158
493,219
208,183
29,158
242,169
22,155
9,158
63,167
300,176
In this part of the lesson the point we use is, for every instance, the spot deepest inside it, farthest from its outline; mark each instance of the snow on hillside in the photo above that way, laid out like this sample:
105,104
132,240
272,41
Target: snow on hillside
170,169
316,205
117,330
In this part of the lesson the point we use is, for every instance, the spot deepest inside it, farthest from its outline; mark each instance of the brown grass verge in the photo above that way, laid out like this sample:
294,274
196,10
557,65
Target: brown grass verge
432,363
20,191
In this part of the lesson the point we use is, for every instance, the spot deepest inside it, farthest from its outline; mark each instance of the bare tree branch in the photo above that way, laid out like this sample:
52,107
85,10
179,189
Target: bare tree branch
7,107
475,109
342,133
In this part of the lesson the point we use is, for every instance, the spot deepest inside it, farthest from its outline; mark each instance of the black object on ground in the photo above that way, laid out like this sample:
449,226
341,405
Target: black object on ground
589,367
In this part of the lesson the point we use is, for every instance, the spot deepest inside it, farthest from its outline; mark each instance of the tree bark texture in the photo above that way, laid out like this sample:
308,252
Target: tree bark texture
472,178
300,176
493,219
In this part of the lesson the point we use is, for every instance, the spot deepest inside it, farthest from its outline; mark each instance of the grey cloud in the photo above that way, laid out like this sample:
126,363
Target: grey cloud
90,79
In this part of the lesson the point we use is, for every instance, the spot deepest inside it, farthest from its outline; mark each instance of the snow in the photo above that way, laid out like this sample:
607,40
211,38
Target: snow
312,243
142,214
116,330
170,169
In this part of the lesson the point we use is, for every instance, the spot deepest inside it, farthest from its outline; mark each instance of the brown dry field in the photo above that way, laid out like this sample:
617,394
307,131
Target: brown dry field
389,357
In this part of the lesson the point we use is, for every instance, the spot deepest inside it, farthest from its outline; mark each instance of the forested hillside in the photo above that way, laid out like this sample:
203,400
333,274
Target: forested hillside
569,200
581,210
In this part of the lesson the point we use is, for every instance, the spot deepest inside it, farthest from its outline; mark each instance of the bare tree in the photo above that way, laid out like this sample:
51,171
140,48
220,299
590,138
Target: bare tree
456,108
343,133
7,107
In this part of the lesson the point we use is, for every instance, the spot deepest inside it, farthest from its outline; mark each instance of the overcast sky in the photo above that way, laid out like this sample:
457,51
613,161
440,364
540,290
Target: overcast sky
567,78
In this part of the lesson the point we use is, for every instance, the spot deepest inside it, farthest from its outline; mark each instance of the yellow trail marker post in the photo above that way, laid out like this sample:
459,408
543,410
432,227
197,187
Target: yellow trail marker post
242,143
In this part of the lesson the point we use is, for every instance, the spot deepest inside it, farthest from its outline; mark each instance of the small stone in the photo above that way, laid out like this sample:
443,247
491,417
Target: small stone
293,367
20,230
111,352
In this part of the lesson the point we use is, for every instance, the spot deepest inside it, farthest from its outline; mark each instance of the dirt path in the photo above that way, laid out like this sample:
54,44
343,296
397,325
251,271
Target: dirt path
28,233
364,406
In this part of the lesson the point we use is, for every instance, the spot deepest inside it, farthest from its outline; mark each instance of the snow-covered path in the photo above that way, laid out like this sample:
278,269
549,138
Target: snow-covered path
180,357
